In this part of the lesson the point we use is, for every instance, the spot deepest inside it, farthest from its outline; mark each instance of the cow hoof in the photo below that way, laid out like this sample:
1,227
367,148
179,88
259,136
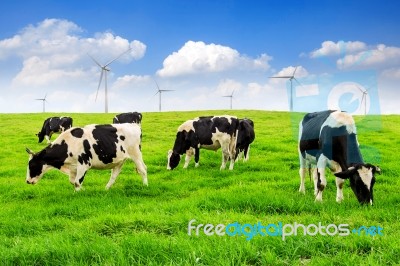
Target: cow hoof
339,199
302,191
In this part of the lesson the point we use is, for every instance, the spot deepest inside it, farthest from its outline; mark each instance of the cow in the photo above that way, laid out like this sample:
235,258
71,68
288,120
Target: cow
210,132
245,137
130,117
329,139
52,125
78,149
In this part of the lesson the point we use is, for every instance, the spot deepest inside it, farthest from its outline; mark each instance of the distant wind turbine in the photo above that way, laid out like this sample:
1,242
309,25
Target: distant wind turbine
291,78
364,98
159,91
230,96
44,102
104,70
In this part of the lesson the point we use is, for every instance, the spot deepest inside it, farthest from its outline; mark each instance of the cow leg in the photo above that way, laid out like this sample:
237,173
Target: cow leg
315,178
196,157
189,154
246,153
335,168
339,191
80,175
321,179
114,173
141,168
47,139
302,172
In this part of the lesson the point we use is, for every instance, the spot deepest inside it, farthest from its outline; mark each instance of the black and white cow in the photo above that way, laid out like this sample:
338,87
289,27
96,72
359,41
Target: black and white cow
246,136
52,125
328,139
212,133
131,117
94,146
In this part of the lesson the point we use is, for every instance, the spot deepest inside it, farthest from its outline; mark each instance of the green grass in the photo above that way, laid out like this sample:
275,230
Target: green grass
50,224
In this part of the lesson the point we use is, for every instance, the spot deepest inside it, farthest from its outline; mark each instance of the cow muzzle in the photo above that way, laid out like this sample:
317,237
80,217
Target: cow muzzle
31,181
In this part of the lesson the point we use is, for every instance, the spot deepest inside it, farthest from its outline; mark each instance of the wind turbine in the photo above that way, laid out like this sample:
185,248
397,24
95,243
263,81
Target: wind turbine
291,78
159,91
230,96
104,70
364,98
44,102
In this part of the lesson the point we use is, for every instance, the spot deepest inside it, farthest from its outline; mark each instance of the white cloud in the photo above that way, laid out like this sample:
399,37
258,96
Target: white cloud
127,81
198,57
297,71
381,57
53,52
330,48
227,86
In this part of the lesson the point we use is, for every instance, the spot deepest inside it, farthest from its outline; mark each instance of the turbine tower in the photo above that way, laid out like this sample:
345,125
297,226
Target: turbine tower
104,70
291,78
364,98
230,96
44,102
159,91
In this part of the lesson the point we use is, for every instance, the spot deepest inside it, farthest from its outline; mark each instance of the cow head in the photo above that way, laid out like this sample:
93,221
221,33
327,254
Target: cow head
173,160
40,135
362,180
36,167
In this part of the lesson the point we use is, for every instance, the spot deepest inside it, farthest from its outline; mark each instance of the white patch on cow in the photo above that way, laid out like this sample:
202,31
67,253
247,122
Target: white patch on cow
366,176
187,126
339,119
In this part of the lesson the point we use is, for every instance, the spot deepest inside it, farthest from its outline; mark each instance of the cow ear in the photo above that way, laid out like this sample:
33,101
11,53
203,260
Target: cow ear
346,174
30,151
376,169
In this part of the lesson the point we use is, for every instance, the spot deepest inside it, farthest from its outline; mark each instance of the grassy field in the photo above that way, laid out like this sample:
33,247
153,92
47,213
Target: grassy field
50,224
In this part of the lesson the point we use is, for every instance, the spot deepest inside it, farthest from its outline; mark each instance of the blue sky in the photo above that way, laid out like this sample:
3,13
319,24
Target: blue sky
202,50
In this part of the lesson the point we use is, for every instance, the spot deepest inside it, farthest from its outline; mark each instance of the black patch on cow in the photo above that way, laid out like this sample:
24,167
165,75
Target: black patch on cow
86,156
312,123
106,142
122,137
82,178
122,149
77,132
54,155
338,145
70,154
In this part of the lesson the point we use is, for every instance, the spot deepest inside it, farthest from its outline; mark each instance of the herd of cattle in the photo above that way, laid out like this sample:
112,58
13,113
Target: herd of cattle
326,140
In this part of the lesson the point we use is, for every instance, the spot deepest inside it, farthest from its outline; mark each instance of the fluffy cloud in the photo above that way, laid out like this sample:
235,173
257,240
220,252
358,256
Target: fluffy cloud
198,57
228,86
54,50
329,48
380,57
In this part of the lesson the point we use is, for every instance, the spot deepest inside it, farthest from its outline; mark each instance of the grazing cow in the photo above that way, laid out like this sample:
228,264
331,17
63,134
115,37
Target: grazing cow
245,137
94,146
52,125
328,139
131,117
212,133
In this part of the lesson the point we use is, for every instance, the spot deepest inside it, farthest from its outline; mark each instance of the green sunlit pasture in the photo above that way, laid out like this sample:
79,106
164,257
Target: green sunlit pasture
51,224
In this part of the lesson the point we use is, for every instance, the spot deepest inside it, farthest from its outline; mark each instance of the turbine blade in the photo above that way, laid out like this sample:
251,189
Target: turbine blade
156,93
94,60
98,87
118,57
294,71
158,88
233,92
165,90
297,81
280,77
